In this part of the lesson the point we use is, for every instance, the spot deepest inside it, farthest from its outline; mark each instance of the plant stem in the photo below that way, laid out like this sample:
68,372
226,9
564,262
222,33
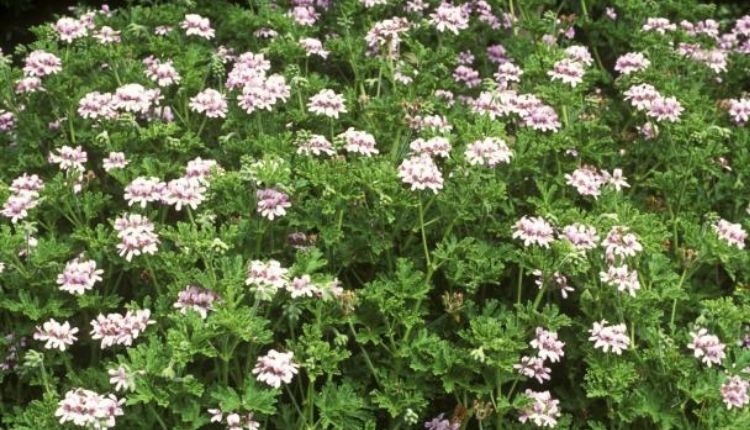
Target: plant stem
424,236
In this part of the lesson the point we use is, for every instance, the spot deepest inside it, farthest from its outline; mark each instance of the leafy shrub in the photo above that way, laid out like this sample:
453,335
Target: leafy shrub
377,214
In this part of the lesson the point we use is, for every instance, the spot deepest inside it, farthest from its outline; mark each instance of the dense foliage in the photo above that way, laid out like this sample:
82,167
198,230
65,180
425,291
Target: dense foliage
377,214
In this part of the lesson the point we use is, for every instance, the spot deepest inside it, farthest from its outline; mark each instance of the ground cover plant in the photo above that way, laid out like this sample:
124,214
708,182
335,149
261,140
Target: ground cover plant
377,214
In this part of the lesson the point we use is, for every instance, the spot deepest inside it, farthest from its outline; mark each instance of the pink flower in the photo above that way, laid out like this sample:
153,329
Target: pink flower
642,96
69,29
95,105
488,152
665,109
579,54
197,25
56,335
631,62
558,280
734,392
304,15
568,71
467,75
327,103
163,73
210,102
118,329
547,344
659,25
40,64
114,160
739,110
507,72
79,276
162,30
266,278
586,180
301,286
7,121
707,347
200,300
276,368
143,190
107,35
449,18
608,337
542,410
313,47
622,278
137,236
421,173
620,243
435,147
17,206
533,230
731,233
27,184
29,84
581,236
121,378
316,145
184,192
533,367
359,142
135,98
272,203
542,118
85,408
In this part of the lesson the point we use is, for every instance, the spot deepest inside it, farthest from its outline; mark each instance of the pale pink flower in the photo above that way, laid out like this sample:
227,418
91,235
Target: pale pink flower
315,144
620,243
79,276
642,96
581,236
327,103
586,180
579,54
96,105
118,329
547,345
199,169
659,25
734,392
533,230
631,62
85,408
568,71
27,184
29,84
435,147
121,378
57,336
558,280
197,25
469,76
143,190
7,121
137,236
17,206
210,102
533,367
162,30
266,278
135,98
507,72
304,15
276,368
359,142
489,152
449,18
69,29
609,337
301,286
739,110
707,347
313,47
107,35
200,300
665,109
542,118
163,73
114,160
184,192
621,277
40,64
731,233
272,203
543,410
421,173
